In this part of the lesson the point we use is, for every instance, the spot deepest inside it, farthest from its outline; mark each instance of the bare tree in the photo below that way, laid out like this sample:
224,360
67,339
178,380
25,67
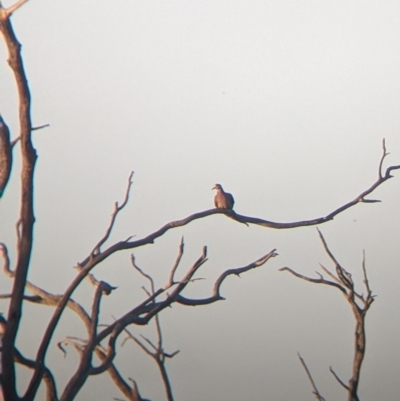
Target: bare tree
101,342
359,303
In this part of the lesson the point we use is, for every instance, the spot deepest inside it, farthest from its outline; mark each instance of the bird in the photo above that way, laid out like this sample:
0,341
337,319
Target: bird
5,155
222,199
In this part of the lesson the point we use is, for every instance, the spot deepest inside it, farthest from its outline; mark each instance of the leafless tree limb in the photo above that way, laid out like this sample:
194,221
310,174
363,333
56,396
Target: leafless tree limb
315,392
132,393
159,356
26,218
338,378
366,282
384,154
216,296
16,140
176,264
359,304
40,127
45,298
320,280
8,11
31,298
51,387
117,209
85,365
158,353
142,314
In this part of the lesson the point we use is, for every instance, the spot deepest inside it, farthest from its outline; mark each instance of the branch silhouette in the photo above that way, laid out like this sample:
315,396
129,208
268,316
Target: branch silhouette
359,304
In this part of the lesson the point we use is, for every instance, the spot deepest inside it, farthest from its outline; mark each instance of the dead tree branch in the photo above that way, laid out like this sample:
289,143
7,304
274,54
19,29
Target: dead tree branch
48,378
117,209
317,394
216,296
26,218
359,304
158,354
45,298
139,315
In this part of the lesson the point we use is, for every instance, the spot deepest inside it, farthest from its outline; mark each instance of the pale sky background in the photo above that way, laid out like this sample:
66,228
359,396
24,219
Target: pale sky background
285,103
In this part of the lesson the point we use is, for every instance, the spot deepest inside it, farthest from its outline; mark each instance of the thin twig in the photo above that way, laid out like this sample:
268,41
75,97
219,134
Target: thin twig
117,209
384,154
366,282
40,127
176,264
338,378
315,392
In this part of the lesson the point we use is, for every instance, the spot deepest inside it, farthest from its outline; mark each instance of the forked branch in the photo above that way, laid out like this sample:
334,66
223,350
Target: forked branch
359,304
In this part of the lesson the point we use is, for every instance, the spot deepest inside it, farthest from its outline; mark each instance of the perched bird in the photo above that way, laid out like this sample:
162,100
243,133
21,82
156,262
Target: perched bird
222,199
5,155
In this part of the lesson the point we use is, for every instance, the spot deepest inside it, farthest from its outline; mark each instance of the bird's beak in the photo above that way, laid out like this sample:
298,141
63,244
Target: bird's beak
213,188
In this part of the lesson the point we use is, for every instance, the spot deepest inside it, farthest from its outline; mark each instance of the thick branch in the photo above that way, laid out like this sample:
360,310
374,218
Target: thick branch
28,154
85,365
130,392
51,388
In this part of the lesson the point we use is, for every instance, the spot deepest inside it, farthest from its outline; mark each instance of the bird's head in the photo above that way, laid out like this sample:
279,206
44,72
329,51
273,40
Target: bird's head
216,186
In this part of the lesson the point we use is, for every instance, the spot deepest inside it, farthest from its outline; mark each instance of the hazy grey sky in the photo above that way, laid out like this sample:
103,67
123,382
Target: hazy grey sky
285,103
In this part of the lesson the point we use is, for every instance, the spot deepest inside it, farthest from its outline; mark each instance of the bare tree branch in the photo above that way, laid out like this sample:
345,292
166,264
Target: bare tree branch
51,387
216,296
315,392
384,154
85,365
176,264
320,280
132,393
159,356
117,209
8,11
158,353
26,217
359,305
40,127
338,379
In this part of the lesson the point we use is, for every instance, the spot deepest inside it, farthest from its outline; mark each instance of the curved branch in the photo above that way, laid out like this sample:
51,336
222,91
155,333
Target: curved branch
51,388
216,291
131,393
142,314
320,280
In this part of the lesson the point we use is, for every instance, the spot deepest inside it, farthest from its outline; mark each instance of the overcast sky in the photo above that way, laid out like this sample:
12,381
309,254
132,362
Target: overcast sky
284,103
